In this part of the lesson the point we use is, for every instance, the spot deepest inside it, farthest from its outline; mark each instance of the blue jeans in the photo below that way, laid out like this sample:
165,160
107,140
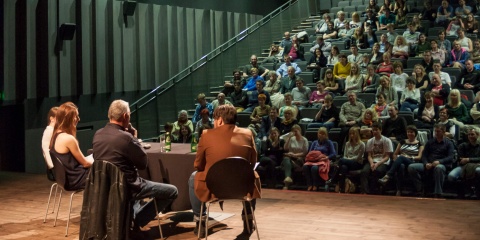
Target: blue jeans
317,125
406,106
415,169
197,204
398,167
311,175
163,194
455,174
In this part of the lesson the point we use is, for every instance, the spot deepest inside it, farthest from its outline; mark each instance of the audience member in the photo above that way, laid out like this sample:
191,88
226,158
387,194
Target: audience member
327,116
465,42
355,57
408,151
351,111
288,82
296,148
391,33
321,26
331,84
239,97
440,91
286,43
202,104
456,109
282,71
354,80
386,67
459,56
269,122
470,78
184,135
288,99
437,156
288,120
342,68
182,120
444,77
259,111
261,71
386,18
322,45
331,33
444,13
427,112
389,92
379,149
312,170
400,48
381,106
371,80
398,77
420,76
369,117
371,20
228,86
272,86
316,62
422,46
273,155
253,97
220,101
332,58
395,126
443,119
205,123
437,53
252,81
318,97
410,97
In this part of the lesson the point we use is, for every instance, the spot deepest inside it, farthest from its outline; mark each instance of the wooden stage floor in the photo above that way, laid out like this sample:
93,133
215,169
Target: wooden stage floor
281,215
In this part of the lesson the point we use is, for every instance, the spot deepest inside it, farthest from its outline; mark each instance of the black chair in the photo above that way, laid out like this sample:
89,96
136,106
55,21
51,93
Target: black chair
311,134
232,178
469,93
61,179
309,112
408,116
368,98
243,119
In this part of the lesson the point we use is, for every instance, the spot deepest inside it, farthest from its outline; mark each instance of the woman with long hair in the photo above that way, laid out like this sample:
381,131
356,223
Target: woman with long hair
318,97
181,120
273,155
331,84
400,48
325,146
352,158
355,22
293,50
64,146
381,106
386,88
327,116
444,43
369,116
470,24
354,81
185,135
369,38
371,80
410,97
456,109
333,58
422,45
401,19
316,62
398,77
420,76
408,151
376,57
341,69
296,148
427,112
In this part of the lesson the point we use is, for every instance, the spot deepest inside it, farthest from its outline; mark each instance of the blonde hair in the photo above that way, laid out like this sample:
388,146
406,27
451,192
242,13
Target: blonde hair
355,130
459,97
372,112
323,130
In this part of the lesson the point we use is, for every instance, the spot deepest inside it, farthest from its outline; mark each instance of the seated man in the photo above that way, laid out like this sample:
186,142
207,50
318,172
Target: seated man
331,34
239,97
470,78
411,36
445,77
282,71
288,82
322,26
355,57
468,152
202,104
262,71
268,122
220,101
223,141
386,18
324,46
379,149
436,157
394,127
301,94
117,143
253,97
228,85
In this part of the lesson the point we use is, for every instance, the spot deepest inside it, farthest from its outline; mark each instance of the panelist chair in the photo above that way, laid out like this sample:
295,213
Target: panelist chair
50,177
60,178
232,178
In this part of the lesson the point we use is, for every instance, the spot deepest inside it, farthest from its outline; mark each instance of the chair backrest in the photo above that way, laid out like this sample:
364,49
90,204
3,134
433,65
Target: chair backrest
59,171
311,134
408,116
309,112
231,178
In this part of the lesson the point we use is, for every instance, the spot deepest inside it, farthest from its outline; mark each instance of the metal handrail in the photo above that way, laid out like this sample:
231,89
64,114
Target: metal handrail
206,58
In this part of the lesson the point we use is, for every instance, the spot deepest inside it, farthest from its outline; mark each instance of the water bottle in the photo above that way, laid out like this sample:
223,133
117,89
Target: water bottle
193,144
168,142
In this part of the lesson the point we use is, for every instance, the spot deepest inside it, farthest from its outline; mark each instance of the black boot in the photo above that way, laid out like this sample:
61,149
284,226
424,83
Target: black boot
250,224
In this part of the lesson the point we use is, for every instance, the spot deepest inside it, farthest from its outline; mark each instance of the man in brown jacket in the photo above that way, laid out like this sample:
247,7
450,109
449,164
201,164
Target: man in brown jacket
223,141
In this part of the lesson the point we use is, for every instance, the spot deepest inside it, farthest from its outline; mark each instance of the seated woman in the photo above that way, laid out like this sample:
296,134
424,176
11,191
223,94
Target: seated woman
420,76
453,26
408,151
427,112
391,96
342,68
181,121
354,80
288,99
352,158
288,122
333,58
369,117
386,67
185,135
400,48
422,45
376,57
327,116
275,55
371,80
251,82
296,148
331,84
318,97
316,62
272,86
410,97
259,111
273,155
46,137
398,77
401,19
439,90
357,38
369,38
381,106
205,123
458,56
457,110
310,170
443,119
65,147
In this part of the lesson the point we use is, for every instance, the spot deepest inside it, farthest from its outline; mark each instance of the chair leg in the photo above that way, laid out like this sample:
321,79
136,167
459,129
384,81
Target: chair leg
48,203
70,211
55,199
158,218
206,220
200,221
58,207
255,222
